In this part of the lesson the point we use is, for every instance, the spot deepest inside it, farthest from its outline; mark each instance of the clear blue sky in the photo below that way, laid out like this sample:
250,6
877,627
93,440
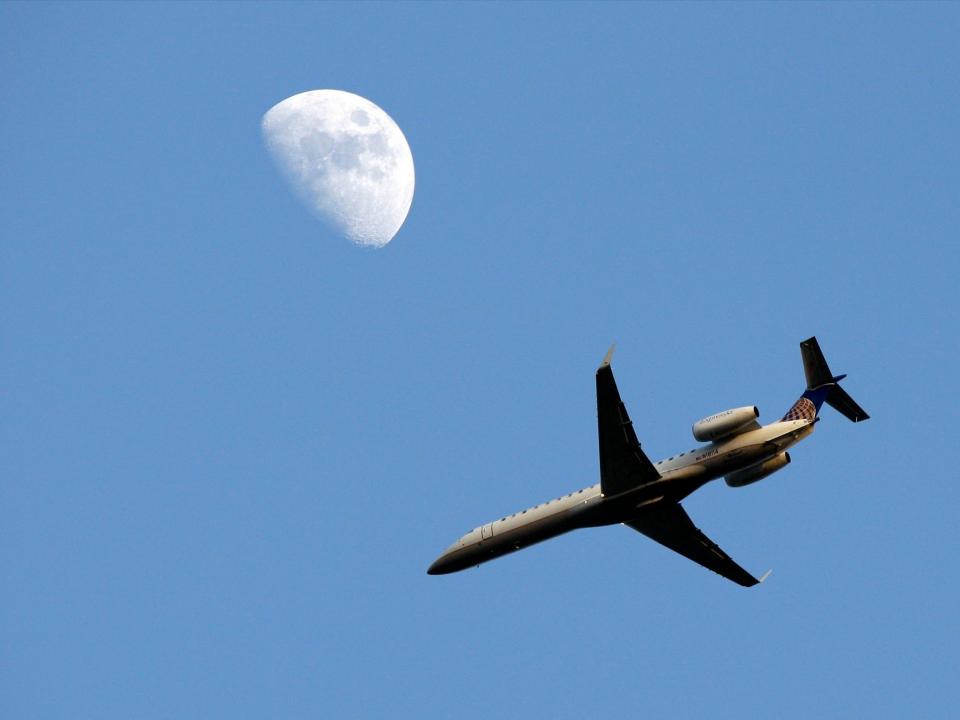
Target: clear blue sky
233,442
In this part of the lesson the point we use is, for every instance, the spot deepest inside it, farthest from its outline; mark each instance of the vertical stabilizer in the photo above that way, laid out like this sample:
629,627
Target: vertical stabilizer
822,387
814,364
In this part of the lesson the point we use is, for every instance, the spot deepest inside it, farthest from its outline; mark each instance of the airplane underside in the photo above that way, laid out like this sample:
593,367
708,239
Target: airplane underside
647,497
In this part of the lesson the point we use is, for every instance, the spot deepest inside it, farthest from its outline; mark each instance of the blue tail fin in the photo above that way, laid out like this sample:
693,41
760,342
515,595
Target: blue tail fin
822,387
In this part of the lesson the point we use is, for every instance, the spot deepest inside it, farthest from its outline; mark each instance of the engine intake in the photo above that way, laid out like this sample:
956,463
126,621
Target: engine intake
758,472
724,424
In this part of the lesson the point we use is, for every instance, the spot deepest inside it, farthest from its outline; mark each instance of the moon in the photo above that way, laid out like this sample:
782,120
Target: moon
346,159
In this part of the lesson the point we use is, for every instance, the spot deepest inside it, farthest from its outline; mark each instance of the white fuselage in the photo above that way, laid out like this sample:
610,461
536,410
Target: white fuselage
680,475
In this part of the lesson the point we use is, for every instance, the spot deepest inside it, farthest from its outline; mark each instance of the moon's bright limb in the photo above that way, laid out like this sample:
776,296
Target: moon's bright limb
346,158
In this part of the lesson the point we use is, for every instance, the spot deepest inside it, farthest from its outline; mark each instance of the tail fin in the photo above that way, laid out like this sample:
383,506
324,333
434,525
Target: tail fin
822,387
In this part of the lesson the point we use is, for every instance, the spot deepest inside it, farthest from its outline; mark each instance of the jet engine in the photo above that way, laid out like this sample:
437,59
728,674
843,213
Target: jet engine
759,471
724,424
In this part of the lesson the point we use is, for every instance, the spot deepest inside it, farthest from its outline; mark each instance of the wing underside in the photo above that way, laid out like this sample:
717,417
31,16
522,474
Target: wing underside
623,465
669,524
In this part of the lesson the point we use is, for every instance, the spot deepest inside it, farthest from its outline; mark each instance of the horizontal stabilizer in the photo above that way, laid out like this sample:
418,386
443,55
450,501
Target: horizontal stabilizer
822,387
839,400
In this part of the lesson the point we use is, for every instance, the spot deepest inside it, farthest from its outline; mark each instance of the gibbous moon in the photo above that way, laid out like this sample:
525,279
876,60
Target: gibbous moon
346,159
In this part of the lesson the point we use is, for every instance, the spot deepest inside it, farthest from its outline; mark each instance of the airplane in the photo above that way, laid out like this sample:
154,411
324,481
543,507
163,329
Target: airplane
647,496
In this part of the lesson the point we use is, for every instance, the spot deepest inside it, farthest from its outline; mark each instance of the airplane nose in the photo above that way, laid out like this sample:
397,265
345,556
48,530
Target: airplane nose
440,566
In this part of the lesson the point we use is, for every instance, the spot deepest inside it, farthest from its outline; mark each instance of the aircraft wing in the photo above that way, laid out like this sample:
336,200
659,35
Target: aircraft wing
623,465
669,524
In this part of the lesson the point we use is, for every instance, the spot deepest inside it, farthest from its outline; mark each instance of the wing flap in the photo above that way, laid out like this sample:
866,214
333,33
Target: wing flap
668,524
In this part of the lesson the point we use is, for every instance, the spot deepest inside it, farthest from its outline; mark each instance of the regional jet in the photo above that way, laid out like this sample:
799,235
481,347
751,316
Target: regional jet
646,496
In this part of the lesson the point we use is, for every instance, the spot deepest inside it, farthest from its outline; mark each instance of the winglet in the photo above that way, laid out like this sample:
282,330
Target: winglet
608,356
765,575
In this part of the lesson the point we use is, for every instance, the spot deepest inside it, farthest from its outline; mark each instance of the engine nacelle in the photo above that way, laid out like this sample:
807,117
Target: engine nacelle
758,472
725,423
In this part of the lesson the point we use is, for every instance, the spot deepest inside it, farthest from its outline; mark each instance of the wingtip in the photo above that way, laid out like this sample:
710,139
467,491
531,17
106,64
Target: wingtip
765,575
609,356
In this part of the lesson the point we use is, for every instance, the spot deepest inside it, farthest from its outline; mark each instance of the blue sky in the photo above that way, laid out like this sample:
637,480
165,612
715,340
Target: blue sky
234,441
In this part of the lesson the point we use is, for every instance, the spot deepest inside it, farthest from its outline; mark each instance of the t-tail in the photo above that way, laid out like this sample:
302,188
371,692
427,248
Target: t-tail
822,387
